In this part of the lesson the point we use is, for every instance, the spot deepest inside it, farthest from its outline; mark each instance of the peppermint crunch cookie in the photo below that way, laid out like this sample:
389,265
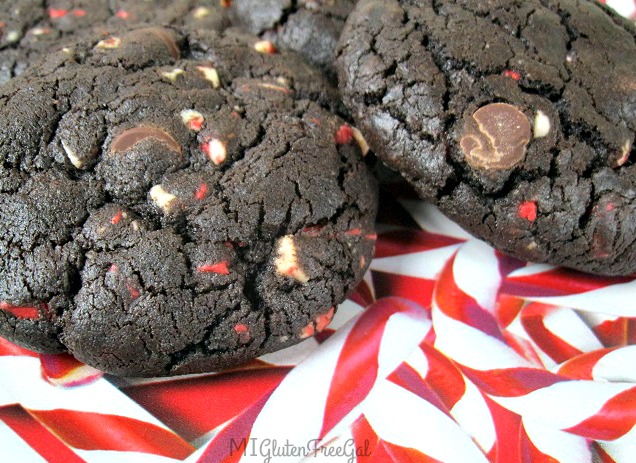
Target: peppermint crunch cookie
175,202
518,118
29,28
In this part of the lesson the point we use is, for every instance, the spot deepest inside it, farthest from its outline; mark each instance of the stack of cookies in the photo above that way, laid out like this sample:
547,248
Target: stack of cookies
184,184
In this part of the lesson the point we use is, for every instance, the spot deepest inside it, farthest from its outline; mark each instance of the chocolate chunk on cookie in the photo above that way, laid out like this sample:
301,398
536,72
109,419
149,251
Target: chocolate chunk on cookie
30,28
517,118
309,27
175,202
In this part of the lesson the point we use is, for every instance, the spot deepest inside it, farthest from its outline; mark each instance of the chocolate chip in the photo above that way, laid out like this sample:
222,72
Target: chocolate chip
496,136
131,137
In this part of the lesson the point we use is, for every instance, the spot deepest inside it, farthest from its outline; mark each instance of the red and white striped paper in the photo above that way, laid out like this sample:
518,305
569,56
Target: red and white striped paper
448,352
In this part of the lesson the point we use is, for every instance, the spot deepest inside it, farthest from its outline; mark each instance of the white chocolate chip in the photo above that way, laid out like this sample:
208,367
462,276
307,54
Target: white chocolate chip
67,50
211,75
172,75
201,12
192,119
38,31
265,46
215,150
135,225
76,161
361,141
109,43
287,261
274,87
627,147
162,198
13,36
542,125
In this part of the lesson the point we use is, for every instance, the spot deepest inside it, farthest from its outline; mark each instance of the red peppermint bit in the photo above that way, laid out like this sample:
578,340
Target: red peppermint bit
610,207
528,211
79,13
226,3
201,192
243,333
240,328
353,232
363,261
308,331
315,121
220,268
134,292
22,312
117,217
113,269
313,231
54,13
196,123
123,14
513,75
344,135
323,320
371,236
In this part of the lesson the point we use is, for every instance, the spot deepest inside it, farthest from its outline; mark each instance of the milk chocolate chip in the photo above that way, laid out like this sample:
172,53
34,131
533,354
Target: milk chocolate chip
131,137
495,137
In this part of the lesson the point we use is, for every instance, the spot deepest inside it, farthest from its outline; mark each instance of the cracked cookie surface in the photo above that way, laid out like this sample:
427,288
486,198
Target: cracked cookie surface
29,28
175,202
309,27
518,118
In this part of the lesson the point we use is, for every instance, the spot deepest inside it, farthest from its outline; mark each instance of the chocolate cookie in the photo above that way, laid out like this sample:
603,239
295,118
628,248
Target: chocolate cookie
29,28
309,27
517,118
176,202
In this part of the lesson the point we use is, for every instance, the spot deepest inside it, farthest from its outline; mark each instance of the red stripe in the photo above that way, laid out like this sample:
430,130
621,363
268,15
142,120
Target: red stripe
406,377
507,426
371,449
365,439
612,332
530,453
64,369
615,419
95,431
513,382
37,436
443,377
415,289
558,282
532,319
507,308
9,349
184,405
582,367
408,240
229,445
461,307
357,366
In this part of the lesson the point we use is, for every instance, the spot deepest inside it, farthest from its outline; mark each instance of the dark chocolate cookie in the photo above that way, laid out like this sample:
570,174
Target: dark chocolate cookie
309,27
517,118
175,202
29,28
